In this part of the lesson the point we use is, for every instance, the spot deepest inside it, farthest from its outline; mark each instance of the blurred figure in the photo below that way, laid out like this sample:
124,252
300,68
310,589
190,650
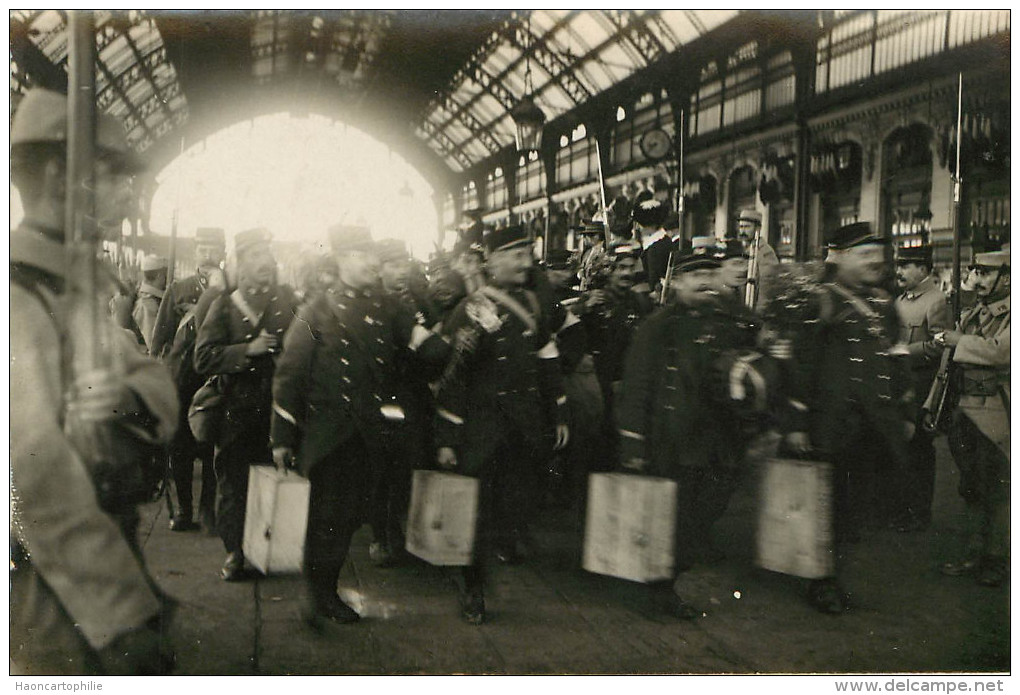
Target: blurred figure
672,422
923,311
240,340
979,434
611,314
850,399
183,294
173,341
81,599
407,442
492,415
150,293
335,402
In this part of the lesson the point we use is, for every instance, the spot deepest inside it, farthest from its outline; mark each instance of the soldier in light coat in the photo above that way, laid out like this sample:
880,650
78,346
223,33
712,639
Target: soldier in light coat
923,310
979,435
81,599
150,293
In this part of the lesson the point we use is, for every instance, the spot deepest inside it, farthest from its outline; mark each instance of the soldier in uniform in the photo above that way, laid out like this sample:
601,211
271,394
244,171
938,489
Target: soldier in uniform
150,293
611,314
173,342
183,294
335,396
492,416
979,434
849,394
672,418
766,262
81,600
923,311
239,341
411,440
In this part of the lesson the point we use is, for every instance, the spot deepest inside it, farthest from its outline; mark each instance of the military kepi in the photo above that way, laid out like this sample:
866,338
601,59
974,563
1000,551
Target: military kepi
506,238
349,237
249,238
211,236
921,255
390,250
41,116
993,259
850,235
696,261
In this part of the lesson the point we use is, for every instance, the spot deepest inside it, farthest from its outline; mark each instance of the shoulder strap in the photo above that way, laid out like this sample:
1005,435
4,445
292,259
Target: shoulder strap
238,299
498,295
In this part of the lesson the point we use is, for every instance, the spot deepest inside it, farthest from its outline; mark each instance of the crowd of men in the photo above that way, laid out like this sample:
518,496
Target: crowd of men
643,353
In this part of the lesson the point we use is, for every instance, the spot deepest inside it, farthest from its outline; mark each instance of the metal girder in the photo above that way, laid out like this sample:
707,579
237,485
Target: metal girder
635,29
444,141
696,21
482,132
134,119
495,87
559,70
148,63
33,62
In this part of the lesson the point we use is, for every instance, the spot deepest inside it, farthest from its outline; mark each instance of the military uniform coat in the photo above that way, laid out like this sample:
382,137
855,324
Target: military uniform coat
512,379
80,576
338,370
671,411
180,296
923,312
841,360
983,355
221,348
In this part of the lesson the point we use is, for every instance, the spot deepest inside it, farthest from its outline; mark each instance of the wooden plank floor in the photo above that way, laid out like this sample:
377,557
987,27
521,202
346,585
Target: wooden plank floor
549,616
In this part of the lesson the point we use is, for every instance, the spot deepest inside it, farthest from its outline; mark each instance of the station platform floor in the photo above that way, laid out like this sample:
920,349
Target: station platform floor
548,616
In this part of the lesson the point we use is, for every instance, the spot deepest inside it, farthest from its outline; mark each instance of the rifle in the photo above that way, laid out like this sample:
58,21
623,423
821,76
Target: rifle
602,194
679,210
934,409
751,288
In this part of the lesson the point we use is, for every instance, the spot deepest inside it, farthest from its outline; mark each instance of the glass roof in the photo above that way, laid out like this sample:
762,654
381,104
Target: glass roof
135,82
572,55
344,46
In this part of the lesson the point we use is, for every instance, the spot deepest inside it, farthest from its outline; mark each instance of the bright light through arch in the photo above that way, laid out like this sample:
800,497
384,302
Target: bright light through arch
296,177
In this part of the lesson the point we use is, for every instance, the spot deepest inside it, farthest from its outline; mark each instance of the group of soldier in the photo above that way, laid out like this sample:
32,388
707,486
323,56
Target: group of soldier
636,352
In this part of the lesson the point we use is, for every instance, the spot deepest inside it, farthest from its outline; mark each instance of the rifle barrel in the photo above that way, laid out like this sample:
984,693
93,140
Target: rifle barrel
79,212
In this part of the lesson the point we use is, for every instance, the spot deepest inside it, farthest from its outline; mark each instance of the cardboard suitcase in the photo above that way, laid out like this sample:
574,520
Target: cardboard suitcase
442,516
275,520
630,528
795,533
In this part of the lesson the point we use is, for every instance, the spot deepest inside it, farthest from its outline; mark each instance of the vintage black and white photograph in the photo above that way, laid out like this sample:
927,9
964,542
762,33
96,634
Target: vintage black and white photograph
510,342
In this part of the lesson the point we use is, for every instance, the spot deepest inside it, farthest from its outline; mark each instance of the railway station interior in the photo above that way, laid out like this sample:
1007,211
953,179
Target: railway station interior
421,124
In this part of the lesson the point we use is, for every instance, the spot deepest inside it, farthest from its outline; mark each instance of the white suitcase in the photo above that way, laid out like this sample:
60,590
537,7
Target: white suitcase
442,516
795,533
275,520
630,527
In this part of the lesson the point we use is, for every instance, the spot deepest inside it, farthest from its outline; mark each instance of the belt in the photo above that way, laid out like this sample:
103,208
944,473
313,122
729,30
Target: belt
979,385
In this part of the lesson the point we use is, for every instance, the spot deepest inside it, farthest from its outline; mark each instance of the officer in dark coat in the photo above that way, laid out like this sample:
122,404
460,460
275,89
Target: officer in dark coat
176,349
850,399
240,341
335,398
611,314
408,445
673,420
492,417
